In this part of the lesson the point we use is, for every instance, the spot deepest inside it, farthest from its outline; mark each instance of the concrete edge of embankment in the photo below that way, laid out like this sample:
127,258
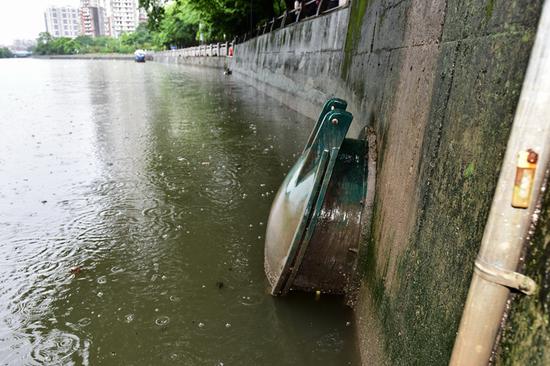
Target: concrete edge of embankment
174,57
87,57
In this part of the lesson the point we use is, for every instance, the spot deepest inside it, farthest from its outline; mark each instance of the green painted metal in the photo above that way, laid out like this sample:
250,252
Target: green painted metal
330,105
332,251
299,202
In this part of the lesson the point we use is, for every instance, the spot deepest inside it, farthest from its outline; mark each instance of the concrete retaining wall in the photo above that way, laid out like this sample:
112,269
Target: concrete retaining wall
438,82
298,65
175,57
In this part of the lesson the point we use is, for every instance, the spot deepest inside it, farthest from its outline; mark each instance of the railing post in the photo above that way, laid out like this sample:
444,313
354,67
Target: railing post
283,22
319,7
272,24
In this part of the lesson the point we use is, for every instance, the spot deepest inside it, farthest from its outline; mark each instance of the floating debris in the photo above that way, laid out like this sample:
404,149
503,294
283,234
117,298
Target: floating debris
75,270
162,321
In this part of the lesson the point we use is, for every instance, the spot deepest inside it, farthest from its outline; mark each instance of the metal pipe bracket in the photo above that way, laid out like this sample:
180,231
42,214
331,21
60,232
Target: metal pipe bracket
505,278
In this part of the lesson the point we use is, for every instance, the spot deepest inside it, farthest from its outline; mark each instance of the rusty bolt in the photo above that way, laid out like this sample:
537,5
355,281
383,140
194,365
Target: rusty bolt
533,157
334,121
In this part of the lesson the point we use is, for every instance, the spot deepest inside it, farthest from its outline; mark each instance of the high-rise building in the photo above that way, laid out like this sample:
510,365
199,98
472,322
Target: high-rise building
93,18
62,21
125,16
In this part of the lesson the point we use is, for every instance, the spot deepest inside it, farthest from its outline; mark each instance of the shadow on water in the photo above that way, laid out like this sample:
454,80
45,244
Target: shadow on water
162,225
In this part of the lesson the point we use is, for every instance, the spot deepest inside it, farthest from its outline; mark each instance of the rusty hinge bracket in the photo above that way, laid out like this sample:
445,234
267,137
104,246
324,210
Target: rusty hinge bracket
506,278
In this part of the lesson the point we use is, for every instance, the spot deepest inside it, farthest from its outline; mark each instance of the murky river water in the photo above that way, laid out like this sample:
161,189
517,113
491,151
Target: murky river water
133,203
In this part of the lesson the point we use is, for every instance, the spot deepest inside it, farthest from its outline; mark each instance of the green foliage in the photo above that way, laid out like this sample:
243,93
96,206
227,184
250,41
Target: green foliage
140,38
232,17
179,26
5,52
187,22
126,43
181,23
155,12
47,45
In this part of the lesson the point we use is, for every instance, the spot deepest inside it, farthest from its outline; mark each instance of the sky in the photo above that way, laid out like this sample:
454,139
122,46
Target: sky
24,19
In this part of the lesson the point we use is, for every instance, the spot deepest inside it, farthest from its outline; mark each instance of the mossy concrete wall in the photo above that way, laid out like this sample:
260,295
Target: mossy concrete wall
438,81
525,339
447,77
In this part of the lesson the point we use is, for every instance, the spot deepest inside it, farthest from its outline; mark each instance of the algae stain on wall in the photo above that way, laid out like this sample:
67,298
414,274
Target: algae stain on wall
469,171
353,36
477,82
489,8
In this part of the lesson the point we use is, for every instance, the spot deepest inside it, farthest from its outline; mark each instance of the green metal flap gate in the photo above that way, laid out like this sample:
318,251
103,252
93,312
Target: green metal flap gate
314,226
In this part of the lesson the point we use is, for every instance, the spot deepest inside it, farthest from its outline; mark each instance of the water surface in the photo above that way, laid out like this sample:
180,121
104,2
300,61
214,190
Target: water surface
133,204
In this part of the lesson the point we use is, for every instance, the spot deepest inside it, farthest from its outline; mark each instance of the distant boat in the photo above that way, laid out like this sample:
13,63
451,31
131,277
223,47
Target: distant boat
22,54
139,56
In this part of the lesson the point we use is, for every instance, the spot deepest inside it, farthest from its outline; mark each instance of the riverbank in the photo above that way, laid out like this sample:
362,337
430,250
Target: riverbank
89,56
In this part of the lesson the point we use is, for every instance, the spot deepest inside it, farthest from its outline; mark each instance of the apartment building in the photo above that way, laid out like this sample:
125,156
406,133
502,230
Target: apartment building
125,16
94,18
62,21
